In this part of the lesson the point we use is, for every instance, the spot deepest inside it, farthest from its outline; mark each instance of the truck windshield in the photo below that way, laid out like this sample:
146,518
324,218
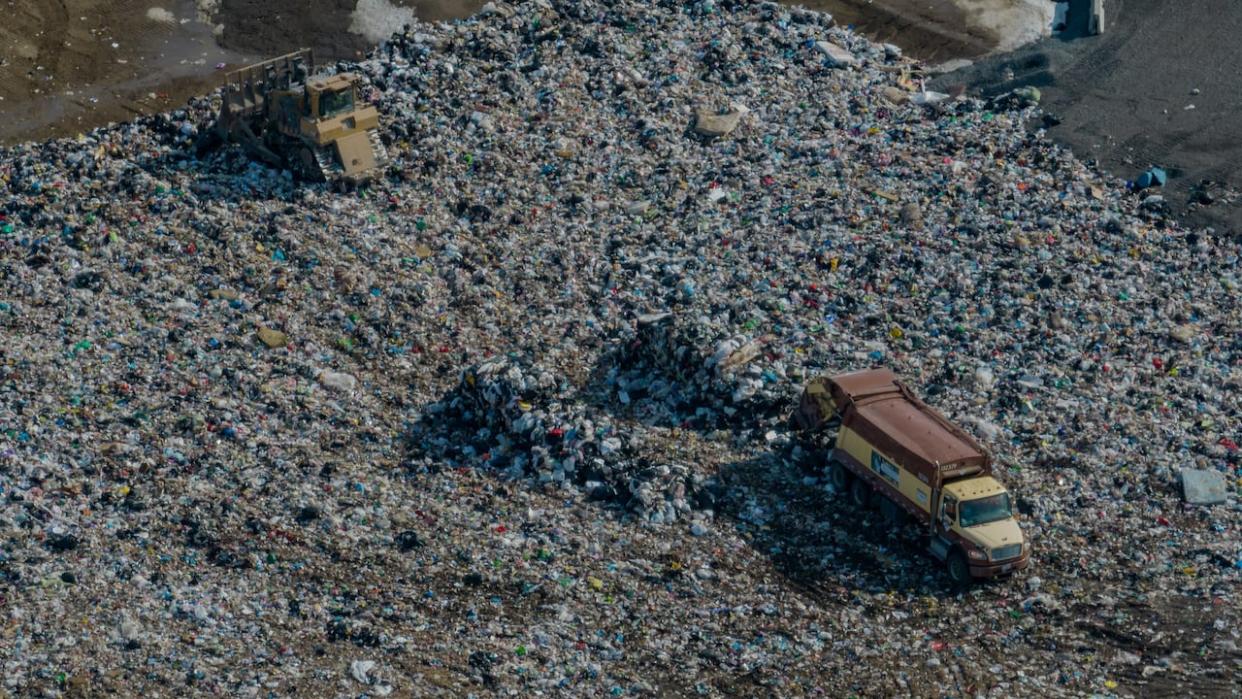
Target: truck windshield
984,510
333,103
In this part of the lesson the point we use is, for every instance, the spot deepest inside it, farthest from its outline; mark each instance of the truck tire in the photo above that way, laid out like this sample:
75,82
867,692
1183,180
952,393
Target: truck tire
959,569
860,493
840,476
893,514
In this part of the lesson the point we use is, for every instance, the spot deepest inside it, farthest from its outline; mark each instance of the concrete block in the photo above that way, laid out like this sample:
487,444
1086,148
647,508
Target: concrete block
1096,24
1203,487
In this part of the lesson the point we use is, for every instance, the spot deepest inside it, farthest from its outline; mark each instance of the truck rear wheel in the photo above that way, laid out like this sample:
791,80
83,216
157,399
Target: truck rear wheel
840,476
860,493
959,569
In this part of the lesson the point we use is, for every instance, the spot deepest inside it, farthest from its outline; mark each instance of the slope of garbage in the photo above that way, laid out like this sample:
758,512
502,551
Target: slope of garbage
512,419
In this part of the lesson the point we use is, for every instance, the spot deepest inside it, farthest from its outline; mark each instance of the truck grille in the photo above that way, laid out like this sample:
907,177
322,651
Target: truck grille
1000,554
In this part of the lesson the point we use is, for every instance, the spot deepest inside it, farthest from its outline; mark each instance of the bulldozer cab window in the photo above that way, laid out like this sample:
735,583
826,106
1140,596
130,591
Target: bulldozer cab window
339,102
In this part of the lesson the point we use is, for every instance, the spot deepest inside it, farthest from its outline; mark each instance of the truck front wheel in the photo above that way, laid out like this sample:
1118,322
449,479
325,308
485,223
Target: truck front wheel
860,493
959,569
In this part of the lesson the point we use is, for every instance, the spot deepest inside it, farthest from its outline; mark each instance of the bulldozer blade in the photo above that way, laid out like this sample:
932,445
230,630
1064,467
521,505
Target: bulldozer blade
356,153
247,138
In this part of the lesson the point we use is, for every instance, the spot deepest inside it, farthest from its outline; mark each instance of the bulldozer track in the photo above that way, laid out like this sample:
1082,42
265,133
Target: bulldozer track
328,167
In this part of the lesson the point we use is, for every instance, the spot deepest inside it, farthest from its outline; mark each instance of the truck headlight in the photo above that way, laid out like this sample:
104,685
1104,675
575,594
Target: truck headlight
977,554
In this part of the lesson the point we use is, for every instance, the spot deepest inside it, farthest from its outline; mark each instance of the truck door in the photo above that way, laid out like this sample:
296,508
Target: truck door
948,513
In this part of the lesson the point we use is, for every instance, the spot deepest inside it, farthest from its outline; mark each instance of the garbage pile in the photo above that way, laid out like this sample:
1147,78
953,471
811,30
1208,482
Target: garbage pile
666,371
520,421
260,437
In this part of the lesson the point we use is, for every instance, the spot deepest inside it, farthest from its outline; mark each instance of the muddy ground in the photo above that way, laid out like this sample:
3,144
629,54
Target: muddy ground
67,66
933,32
70,65
265,27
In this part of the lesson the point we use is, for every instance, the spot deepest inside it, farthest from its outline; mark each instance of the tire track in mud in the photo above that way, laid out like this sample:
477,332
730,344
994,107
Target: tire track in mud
51,44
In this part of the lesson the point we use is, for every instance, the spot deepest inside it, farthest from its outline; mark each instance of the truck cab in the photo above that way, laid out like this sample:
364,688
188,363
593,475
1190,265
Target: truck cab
975,521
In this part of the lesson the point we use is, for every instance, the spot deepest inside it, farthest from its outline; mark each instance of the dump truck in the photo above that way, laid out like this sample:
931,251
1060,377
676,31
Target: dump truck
313,125
895,451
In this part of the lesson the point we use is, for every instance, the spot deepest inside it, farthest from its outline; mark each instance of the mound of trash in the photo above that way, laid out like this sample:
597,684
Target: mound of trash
513,418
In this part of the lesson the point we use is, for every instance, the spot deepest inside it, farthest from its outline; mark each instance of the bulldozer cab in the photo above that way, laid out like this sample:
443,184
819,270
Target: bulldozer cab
331,97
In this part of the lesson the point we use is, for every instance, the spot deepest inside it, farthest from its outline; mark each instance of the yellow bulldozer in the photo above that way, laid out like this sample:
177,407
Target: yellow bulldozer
315,126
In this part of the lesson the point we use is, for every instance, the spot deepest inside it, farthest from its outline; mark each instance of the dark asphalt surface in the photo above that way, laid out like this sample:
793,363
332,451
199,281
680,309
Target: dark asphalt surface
1123,97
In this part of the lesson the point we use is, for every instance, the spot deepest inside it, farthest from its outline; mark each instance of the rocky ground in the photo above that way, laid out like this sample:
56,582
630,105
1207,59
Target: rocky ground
510,420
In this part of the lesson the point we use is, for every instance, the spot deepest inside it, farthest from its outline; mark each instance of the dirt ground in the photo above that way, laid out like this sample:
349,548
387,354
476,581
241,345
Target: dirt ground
267,27
70,65
933,32
67,66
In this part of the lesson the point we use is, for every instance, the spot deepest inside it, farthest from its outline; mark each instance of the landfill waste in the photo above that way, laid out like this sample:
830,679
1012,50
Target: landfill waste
516,419
1029,94
835,56
895,95
715,125
928,98
1153,177
531,385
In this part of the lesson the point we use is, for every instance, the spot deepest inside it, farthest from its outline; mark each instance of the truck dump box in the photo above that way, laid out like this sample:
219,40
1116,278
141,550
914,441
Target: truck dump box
876,407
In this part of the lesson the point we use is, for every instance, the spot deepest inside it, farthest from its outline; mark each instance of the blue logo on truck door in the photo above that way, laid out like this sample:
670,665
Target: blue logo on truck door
887,469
